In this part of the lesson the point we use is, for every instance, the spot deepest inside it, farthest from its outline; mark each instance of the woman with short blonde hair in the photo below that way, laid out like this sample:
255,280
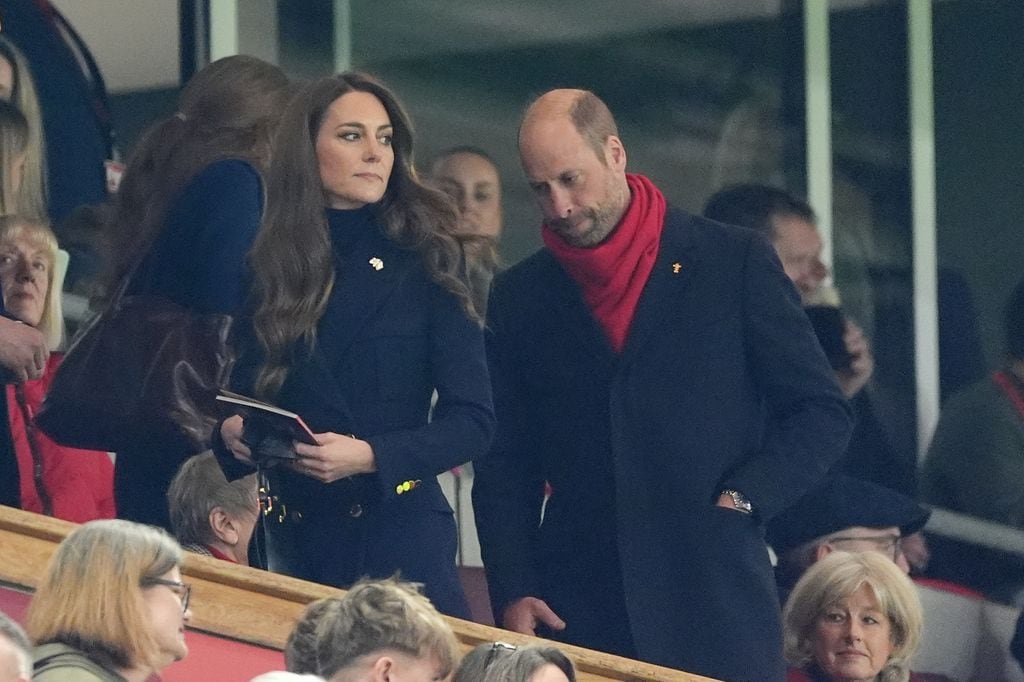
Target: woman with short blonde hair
111,598
14,228
853,616
53,479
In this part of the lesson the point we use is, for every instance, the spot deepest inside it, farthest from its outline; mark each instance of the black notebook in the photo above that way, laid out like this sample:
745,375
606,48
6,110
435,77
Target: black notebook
272,420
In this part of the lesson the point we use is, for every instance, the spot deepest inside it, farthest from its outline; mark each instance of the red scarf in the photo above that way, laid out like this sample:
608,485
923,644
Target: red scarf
612,274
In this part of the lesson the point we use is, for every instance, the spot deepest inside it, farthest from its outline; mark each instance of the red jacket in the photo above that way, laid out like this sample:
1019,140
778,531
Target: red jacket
72,484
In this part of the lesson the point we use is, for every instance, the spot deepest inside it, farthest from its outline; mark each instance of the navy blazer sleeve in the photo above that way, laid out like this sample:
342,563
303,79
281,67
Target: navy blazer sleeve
199,258
406,447
808,420
463,421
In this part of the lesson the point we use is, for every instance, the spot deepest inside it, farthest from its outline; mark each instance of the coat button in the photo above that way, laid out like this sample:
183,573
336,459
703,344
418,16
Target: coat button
355,511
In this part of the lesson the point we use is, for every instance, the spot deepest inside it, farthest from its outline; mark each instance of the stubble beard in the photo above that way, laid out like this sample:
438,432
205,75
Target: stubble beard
604,218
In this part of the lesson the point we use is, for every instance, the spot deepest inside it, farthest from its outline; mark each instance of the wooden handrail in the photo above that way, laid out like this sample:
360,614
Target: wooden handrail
260,607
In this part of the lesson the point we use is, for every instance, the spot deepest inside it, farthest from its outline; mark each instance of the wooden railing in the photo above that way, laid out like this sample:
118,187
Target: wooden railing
260,608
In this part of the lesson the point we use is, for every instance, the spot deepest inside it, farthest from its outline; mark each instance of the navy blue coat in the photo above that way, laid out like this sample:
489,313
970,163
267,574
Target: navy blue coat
197,261
388,338
721,384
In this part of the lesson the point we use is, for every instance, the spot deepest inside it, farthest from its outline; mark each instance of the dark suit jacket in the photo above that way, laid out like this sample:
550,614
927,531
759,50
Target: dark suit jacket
722,384
386,341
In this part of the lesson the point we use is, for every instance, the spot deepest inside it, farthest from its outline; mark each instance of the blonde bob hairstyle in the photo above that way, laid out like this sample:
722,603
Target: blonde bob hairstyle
838,576
14,228
90,596
31,199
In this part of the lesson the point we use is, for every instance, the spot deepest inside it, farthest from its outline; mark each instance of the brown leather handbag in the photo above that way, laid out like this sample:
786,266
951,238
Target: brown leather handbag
144,368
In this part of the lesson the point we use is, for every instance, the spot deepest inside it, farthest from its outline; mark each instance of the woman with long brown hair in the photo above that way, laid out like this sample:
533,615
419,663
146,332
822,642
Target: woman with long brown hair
360,314
188,210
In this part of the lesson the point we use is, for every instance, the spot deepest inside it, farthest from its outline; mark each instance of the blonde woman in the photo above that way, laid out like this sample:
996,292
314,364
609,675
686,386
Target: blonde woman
853,617
111,606
68,483
17,87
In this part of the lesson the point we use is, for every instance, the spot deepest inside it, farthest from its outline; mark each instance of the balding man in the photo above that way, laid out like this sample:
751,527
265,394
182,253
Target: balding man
657,370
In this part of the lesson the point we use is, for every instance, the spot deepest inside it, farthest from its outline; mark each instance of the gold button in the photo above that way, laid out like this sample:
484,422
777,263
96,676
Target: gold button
355,511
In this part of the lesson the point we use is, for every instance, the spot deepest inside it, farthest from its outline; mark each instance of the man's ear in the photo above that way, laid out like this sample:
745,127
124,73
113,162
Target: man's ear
223,526
614,153
382,668
822,551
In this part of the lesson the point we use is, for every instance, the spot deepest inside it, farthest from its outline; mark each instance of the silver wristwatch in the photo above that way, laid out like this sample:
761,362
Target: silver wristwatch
739,500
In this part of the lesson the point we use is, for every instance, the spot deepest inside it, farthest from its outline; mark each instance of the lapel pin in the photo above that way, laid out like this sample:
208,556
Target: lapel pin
377,263
676,267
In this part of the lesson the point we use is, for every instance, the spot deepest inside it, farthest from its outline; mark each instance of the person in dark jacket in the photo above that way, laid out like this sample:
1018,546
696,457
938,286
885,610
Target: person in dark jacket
657,371
790,224
360,315
188,210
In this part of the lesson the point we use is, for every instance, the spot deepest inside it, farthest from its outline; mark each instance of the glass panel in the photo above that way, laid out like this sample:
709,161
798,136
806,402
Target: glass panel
976,461
872,230
700,90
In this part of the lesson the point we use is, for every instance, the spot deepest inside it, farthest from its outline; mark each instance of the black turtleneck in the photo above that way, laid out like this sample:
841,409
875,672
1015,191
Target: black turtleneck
347,227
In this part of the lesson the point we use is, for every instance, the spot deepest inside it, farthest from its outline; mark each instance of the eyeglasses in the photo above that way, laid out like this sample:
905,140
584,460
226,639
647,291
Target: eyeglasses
492,653
183,590
888,545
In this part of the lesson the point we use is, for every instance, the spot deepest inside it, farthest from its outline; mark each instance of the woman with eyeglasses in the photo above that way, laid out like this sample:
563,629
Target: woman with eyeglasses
111,606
